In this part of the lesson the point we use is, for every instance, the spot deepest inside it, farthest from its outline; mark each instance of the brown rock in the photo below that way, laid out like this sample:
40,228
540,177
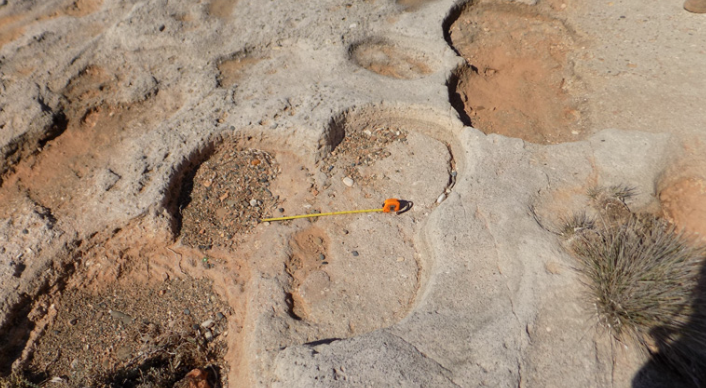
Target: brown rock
197,378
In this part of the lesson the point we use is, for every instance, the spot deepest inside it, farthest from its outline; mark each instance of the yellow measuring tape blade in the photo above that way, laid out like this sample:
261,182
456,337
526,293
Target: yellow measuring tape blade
320,215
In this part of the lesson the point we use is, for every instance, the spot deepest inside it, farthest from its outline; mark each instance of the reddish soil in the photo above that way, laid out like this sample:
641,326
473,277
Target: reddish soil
518,80
684,204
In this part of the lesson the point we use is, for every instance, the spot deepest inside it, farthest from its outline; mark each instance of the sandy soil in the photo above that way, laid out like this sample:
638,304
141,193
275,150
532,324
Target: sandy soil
518,80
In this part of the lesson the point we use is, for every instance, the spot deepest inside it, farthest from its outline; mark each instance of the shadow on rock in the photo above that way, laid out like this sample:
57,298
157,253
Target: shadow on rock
680,359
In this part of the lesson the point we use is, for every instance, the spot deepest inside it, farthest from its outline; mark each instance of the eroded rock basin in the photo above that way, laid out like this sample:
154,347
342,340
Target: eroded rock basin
143,143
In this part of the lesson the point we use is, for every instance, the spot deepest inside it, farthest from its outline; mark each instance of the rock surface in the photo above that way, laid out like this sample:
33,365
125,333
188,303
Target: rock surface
115,117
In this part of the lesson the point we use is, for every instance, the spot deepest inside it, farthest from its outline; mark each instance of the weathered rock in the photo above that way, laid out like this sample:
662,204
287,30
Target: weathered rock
109,109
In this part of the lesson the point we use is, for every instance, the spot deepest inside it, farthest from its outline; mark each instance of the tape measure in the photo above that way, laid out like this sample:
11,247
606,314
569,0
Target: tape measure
391,205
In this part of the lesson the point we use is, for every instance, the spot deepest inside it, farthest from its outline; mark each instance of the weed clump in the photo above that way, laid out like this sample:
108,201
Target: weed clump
576,224
642,275
641,272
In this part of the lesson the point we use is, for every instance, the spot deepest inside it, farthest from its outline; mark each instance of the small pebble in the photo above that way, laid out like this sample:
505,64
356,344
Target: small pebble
220,316
187,312
207,323
195,326
208,335
322,257
355,253
348,181
253,202
281,210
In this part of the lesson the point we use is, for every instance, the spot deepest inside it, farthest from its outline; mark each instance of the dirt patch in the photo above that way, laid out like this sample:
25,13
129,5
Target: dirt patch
101,110
362,148
413,5
132,335
48,127
390,60
518,80
13,26
222,9
228,195
81,8
90,86
134,310
684,204
232,70
309,248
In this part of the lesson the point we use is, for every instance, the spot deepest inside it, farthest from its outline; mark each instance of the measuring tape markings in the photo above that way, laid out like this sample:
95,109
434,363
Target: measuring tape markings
391,205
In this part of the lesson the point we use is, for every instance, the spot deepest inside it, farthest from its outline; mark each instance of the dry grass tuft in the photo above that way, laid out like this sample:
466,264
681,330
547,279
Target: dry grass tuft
576,224
619,192
622,192
643,275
